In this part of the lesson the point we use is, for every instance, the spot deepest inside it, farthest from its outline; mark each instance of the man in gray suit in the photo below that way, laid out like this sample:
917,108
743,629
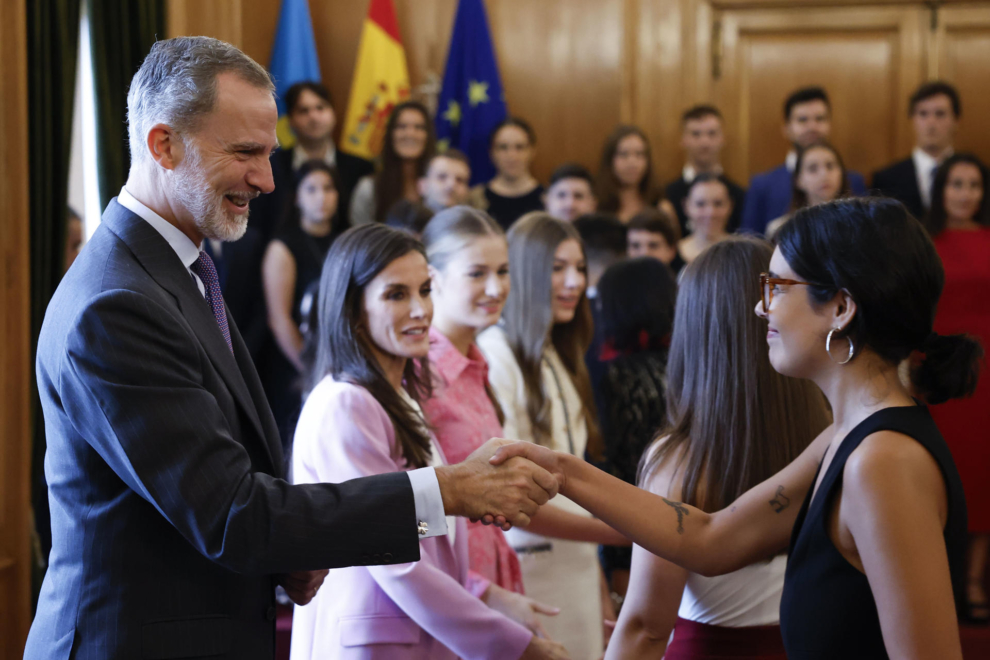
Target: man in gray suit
171,525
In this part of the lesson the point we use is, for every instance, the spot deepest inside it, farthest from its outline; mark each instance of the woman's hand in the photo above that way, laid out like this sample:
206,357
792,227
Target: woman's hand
520,609
544,649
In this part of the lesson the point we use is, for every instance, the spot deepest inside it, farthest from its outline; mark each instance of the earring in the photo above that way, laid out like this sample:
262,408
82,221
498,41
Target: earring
828,346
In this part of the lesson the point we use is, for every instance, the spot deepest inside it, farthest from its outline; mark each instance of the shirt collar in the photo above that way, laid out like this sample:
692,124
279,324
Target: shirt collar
186,250
791,160
923,162
688,173
299,156
449,362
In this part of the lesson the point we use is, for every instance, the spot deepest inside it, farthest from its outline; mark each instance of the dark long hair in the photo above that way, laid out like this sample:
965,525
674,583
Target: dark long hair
732,420
293,217
935,221
799,198
637,304
883,257
452,230
529,324
607,186
388,181
344,349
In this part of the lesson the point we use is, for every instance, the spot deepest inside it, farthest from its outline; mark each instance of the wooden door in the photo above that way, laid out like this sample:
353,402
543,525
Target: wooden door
869,59
962,55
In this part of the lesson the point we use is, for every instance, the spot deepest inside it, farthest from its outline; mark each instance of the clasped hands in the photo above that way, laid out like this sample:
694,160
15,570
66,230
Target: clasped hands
502,482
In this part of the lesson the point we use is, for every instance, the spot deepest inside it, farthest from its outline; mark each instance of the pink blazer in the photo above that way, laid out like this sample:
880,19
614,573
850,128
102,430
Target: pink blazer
410,611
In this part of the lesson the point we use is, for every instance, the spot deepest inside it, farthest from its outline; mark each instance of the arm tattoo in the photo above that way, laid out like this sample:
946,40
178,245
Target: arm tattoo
780,501
681,512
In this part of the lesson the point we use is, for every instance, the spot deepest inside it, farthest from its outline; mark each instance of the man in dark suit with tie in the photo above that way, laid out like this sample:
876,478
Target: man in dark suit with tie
312,119
934,110
171,524
807,120
702,139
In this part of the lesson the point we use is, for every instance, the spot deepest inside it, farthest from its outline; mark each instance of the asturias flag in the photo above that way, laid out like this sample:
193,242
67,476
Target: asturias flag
471,102
293,59
381,80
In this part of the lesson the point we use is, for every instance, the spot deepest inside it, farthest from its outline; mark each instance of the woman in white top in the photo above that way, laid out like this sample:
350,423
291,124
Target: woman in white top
407,148
536,367
362,418
733,422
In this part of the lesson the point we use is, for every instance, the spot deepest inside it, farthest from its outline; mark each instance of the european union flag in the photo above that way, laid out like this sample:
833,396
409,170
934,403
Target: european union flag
471,102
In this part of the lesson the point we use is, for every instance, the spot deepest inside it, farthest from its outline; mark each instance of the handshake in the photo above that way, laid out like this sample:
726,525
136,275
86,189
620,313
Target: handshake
502,482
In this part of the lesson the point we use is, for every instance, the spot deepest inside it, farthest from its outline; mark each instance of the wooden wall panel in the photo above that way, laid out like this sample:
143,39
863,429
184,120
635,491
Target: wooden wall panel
964,60
868,59
15,381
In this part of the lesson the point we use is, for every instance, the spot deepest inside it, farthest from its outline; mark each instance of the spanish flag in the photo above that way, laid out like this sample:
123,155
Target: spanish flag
381,80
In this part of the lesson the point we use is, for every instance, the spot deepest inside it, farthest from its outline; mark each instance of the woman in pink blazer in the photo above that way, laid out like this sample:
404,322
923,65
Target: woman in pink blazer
362,418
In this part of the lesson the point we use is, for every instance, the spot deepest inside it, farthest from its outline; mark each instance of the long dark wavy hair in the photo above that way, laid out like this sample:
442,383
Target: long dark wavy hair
529,324
607,186
344,347
733,421
935,221
389,180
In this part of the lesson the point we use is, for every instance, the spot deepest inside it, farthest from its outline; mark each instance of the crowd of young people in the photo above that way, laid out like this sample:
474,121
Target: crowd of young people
608,324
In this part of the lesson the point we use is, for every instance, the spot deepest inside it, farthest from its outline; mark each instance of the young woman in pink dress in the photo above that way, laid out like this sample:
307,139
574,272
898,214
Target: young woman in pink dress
469,264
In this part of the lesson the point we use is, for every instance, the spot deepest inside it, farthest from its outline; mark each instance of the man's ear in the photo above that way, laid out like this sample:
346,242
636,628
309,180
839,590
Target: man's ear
165,146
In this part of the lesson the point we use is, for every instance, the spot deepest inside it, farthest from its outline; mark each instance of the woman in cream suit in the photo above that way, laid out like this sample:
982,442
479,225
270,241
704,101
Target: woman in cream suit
363,417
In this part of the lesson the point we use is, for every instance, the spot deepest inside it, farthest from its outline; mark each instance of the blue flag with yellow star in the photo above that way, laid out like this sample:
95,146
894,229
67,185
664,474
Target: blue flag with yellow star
471,102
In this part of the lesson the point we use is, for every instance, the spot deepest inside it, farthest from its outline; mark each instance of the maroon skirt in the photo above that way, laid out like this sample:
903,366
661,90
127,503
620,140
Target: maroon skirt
700,641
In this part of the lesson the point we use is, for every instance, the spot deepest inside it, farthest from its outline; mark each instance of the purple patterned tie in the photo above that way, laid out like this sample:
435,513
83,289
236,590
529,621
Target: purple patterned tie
204,268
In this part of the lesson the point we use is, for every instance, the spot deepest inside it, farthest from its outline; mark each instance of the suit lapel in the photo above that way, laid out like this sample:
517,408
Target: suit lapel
160,261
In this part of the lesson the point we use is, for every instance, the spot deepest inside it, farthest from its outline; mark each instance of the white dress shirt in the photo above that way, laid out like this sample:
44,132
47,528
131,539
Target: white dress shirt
299,156
924,169
430,517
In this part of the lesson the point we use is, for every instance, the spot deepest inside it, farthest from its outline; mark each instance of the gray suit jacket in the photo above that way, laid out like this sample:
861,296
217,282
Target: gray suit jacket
169,518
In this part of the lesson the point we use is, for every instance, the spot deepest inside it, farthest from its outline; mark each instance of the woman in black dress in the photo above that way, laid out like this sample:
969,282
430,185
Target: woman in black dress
876,566
514,191
292,262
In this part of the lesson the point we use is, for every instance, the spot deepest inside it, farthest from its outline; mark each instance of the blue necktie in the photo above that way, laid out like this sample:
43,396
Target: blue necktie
204,268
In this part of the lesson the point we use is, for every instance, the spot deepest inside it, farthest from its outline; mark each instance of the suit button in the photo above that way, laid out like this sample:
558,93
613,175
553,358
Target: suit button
270,613
387,557
366,559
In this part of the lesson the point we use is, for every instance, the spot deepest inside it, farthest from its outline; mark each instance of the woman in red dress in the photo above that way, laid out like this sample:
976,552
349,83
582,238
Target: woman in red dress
959,223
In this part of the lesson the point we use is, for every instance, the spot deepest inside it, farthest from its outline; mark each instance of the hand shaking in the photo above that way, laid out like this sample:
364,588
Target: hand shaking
509,492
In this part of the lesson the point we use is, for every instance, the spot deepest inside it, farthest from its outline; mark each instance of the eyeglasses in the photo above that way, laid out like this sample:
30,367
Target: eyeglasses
767,284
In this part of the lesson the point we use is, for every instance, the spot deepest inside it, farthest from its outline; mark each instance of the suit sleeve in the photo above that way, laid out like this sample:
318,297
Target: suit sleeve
754,211
130,377
352,437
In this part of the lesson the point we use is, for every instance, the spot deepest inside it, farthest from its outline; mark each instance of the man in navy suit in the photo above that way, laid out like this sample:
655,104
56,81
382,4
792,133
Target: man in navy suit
312,119
934,109
171,524
807,119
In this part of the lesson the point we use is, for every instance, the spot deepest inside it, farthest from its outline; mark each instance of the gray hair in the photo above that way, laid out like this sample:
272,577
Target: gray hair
177,85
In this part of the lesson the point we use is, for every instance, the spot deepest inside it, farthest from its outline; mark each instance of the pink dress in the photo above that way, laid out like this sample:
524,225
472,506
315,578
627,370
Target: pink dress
463,418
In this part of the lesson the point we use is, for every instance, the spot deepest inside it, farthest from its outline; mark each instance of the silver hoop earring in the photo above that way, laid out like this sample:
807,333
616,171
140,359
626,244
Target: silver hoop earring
828,347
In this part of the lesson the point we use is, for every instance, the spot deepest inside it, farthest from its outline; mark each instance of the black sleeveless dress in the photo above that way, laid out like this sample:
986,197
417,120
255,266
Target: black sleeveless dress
827,609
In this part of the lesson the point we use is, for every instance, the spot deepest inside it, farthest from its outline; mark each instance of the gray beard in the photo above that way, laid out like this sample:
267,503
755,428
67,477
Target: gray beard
194,193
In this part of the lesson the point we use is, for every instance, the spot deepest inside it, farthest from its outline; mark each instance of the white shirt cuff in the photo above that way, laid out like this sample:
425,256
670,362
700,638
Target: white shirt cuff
430,518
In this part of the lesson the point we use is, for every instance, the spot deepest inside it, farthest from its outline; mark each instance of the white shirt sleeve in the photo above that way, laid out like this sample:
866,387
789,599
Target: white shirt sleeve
431,520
